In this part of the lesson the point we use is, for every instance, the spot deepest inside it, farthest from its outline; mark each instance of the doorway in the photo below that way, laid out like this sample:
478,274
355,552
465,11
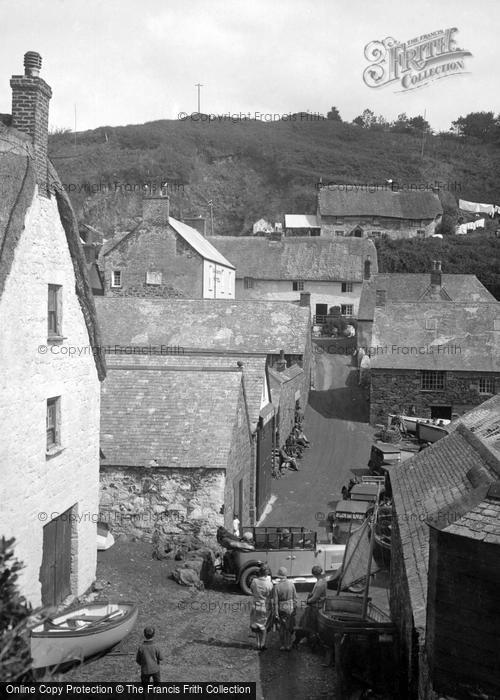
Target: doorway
55,571
321,312
441,412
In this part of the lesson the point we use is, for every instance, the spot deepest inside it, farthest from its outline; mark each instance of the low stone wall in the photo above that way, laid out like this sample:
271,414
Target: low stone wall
180,507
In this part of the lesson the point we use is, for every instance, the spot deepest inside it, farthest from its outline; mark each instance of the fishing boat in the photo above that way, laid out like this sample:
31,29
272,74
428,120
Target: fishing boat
343,613
80,633
382,533
412,423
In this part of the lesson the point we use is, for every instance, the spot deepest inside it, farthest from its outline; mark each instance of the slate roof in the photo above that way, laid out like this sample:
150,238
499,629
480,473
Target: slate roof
439,486
385,203
405,286
171,417
301,221
253,370
441,335
190,235
245,326
277,379
17,188
298,257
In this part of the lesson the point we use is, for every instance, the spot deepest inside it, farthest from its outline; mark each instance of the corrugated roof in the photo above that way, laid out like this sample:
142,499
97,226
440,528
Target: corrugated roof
407,286
439,486
442,335
303,258
206,324
301,221
175,418
385,203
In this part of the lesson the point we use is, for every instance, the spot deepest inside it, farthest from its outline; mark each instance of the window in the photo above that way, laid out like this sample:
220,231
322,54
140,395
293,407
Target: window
54,309
152,277
347,309
431,380
116,278
248,282
430,324
486,385
376,234
298,286
53,422
340,233
421,233
346,287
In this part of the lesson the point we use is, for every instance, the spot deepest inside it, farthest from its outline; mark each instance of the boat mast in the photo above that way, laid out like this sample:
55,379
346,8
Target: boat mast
370,556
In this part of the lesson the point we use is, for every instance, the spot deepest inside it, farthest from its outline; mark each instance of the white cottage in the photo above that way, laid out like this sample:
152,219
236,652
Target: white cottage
50,361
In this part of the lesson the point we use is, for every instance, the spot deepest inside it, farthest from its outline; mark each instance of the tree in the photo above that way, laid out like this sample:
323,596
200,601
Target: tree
334,115
479,125
366,120
15,656
419,124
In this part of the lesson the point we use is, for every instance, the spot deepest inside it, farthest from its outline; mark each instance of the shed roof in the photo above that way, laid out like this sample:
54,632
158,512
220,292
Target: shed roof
340,200
245,326
410,287
169,416
299,257
301,221
443,336
439,486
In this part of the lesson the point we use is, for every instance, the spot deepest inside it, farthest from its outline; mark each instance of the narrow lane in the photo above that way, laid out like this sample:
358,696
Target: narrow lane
336,423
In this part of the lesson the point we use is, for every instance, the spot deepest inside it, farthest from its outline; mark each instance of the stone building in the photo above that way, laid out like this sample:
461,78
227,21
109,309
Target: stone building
412,287
163,257
331,271
434,359
285,385
217,336
49,400
348,210
444,561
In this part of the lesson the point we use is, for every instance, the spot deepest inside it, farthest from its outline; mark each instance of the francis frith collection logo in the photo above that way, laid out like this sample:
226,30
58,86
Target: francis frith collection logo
414,63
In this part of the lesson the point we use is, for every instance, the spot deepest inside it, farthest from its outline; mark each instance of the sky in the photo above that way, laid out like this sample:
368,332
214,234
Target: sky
128,62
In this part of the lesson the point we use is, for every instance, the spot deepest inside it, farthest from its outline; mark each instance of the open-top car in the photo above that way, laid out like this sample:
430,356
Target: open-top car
295,548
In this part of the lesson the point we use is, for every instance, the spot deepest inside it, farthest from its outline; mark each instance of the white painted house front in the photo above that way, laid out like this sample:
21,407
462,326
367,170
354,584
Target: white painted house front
50,367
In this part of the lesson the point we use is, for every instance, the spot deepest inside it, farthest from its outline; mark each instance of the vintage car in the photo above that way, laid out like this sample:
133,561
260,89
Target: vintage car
347,517
295,548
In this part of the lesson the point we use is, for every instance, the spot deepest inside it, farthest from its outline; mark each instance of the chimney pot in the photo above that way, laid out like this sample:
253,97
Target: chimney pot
32,64
281,362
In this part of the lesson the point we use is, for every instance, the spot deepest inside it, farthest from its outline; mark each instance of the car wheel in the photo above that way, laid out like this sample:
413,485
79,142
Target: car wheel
247,577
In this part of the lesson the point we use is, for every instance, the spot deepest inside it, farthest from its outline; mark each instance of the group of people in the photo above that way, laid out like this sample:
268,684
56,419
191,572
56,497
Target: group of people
275,604
287,455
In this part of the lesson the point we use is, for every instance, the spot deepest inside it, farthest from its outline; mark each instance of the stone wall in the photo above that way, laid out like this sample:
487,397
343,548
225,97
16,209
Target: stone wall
156,249
392,228
393,391
240,465
35,488
179,504
286,415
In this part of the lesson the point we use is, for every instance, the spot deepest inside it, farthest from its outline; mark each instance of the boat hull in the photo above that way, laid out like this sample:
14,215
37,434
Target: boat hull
57,643
428,432
342,614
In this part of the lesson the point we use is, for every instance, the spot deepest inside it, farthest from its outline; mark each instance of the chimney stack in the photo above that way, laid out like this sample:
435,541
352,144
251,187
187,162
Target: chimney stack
281,362
305,299
30,113
368,268
156,210
436,276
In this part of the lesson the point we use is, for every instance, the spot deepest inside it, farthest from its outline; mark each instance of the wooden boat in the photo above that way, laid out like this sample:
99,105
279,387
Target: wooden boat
411,423
382,533
80,633
430,431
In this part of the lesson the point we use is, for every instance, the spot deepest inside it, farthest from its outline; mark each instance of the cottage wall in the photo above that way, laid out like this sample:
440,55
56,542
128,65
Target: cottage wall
322,292
393,391
240,468
158,249
290,391
373,227
176,503
35,488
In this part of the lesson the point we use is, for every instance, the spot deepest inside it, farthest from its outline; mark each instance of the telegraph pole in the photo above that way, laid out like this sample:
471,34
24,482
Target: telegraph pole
199,85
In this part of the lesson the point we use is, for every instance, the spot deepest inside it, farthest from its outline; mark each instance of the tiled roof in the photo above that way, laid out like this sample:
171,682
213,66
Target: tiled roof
253,369
205,324
439,486
172,417
386,203
301,221
302,258
277,379
480,523
413,287
192,237
442,335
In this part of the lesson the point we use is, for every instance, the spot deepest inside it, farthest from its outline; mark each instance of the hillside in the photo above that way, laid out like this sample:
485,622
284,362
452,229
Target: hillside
254,169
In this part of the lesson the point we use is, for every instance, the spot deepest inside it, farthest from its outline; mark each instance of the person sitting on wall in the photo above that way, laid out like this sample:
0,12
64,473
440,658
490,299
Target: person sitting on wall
287,460
300,437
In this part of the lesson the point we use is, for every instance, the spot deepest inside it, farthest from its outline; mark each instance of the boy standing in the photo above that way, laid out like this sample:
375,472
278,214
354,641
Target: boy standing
149,657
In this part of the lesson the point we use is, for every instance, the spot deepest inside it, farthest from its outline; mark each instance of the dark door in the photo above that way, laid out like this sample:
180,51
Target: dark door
264,463
321,310
55,571
441,412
